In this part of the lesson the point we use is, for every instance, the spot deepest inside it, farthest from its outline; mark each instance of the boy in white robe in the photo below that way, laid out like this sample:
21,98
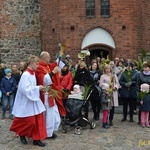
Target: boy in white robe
28,108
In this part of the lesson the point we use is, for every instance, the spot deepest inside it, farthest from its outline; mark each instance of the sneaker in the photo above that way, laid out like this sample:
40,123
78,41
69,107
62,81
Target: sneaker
147,126
143,126
106,126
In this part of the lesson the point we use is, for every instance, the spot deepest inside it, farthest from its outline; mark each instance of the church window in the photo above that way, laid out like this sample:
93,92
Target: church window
105,8
90,8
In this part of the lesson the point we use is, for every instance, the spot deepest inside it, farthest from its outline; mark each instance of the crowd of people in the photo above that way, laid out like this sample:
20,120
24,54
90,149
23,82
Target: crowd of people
36,92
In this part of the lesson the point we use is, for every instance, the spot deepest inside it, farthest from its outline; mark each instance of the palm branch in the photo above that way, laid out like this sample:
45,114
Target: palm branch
87,89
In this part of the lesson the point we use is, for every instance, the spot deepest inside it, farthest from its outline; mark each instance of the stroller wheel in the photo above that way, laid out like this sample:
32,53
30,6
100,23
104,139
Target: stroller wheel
92,124
78,130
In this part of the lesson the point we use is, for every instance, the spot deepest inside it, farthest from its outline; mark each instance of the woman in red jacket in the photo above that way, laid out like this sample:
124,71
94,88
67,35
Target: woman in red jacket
66,81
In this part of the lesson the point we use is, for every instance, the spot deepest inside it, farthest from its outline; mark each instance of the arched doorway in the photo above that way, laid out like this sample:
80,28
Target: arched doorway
99,42
102,53
99,51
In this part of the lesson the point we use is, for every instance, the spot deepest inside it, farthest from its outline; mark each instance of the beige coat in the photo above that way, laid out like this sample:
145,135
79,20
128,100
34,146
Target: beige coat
106,78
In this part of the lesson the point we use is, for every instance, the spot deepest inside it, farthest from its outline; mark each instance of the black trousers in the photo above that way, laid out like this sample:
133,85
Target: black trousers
126,102
95,102
96,105
111,114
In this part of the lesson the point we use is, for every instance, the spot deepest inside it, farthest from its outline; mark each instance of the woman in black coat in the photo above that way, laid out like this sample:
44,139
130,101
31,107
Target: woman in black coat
95,95
128,91
82,77
82,74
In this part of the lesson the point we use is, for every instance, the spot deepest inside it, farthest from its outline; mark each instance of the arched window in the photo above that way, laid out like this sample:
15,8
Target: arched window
90,8
105,8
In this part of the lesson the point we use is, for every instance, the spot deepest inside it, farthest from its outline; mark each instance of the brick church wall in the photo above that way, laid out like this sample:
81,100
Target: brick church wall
124,25
31,26
145,44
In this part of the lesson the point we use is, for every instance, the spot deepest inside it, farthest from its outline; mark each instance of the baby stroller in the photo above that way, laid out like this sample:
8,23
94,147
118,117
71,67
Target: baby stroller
75,109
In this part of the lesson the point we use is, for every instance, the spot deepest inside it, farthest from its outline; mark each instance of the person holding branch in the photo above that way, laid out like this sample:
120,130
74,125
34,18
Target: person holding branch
48,75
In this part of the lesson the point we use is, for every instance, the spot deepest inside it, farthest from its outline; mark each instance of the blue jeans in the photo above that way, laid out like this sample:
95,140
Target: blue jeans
7,101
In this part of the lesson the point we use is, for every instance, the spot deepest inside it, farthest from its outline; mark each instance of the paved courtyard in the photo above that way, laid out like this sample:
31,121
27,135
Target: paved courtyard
122,136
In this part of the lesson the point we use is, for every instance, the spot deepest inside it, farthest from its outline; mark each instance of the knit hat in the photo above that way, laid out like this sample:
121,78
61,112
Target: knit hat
76,89
77,86
144,87
8,70
105,86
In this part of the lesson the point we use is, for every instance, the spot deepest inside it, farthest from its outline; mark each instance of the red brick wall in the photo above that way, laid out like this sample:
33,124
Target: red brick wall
61,15
29,26
146,25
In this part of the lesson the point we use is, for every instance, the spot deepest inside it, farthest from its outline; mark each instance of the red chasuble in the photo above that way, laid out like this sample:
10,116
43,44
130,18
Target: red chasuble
41,71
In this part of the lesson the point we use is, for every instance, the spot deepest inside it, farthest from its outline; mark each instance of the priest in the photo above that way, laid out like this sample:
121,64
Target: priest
47,74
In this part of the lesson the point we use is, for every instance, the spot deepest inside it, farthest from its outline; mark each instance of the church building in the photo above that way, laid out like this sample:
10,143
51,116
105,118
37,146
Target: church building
114,28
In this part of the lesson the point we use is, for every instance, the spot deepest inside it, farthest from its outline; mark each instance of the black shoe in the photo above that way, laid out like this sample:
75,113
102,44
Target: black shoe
123,120
54,136
131,120
39,143
23,140
110,123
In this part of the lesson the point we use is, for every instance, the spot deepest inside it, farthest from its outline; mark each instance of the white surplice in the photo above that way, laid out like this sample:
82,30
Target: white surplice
27,101
52,115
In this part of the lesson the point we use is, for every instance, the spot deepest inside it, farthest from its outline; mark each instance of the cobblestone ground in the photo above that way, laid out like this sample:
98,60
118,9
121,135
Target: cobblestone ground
122,136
